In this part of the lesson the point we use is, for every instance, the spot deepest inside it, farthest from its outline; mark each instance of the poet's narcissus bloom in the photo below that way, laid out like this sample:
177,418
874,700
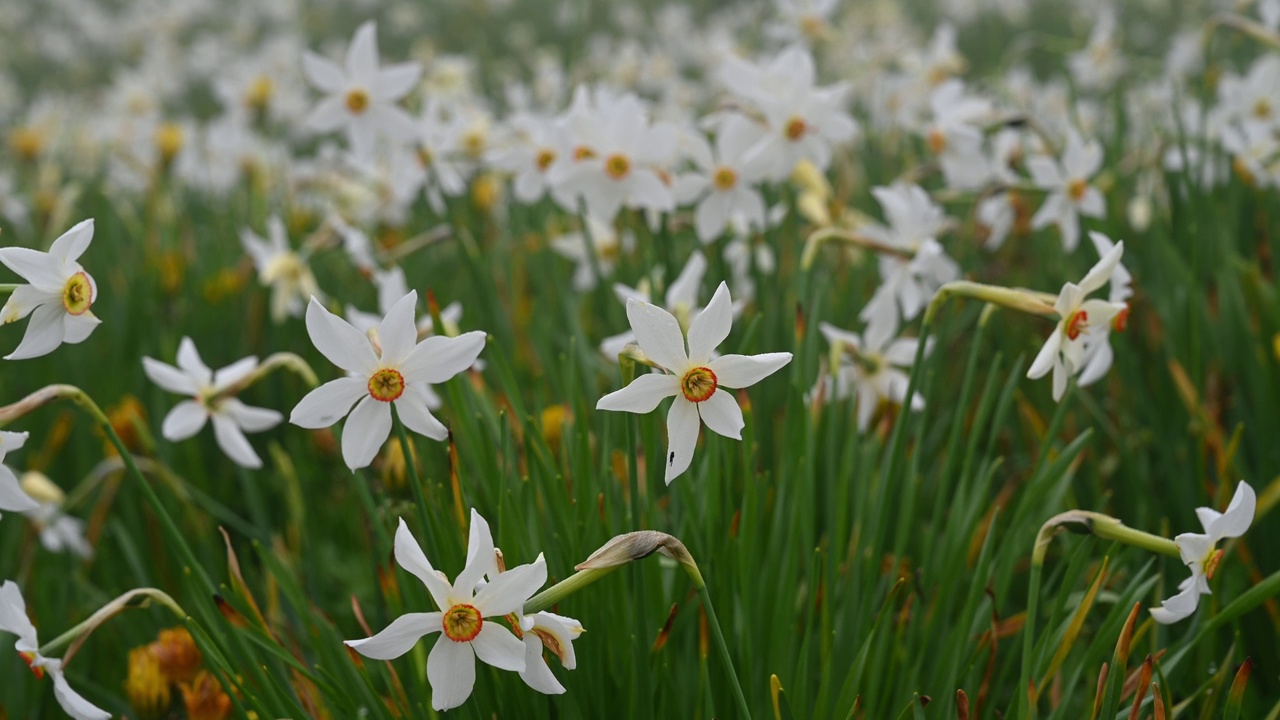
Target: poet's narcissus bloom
58,297
1200,554
12,498
1070,194
231,417
286,272
465,616
13,619
1064,351
696,381
360,96
398,369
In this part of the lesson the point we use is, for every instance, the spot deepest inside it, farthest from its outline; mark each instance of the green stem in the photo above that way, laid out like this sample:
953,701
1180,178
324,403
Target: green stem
106,612
6,288
411,464
723,648
575,582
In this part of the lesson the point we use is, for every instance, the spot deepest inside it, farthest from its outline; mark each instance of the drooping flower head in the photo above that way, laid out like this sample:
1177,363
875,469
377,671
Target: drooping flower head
1200,552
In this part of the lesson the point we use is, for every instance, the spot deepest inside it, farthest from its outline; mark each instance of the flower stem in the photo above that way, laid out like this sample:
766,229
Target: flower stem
6,288
1027,301
139,597
723,649
411,464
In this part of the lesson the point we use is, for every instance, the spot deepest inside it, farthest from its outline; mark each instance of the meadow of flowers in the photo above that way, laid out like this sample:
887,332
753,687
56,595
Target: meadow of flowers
678,359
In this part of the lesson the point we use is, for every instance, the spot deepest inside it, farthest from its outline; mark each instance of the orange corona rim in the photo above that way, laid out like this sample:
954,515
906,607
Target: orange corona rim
462,623
386,385
1076,324
698,385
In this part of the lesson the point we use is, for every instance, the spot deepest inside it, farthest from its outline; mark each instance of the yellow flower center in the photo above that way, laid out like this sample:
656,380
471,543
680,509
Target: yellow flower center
1211,562
1076,190
617,166
582,152
698,385
462,623
77,294
545,157
425,158
386,385
1262,109
725,178
1076,323
357,100
937,142
30,659
795,129
259,93
169,139
286,267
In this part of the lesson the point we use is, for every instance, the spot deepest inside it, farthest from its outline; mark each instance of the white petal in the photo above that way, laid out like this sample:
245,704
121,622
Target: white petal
537,674
1100,273
362,54
77,328
397,332
642,395
1177,607
71,244
23,300
1193,547
409,555
438,358
249,418
71,701
184,420
711,326
481,560
328,115
395,81
328,403
684,290
338,341
1238,516
12,498
234,373
168,377
323,73
44,333
509,591
233,442
190,363
415,412
1047,356
451,670
40,269
400,636
682,437
721,413
496,646
739,371
658,334
365,431
13,616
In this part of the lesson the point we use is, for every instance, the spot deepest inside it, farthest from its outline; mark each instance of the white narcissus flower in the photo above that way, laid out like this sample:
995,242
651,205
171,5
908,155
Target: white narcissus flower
1070,194
360,96
397,370
280,268
872,367
1199,552
58,297
697,382
12,498
555,633
210,400
1098,354
603,240
722,186
13,619
681,300
464,619
1064,351
59,532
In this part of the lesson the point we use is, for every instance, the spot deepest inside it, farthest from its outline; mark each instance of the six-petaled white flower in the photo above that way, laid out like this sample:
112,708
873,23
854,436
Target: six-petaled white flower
396,370
465,615
13,619
58,297
697,382
211,399
280,268
1200,552
1064,351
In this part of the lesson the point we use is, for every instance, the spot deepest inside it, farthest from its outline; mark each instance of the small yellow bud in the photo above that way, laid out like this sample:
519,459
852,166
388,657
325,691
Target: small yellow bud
40,488
146,686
